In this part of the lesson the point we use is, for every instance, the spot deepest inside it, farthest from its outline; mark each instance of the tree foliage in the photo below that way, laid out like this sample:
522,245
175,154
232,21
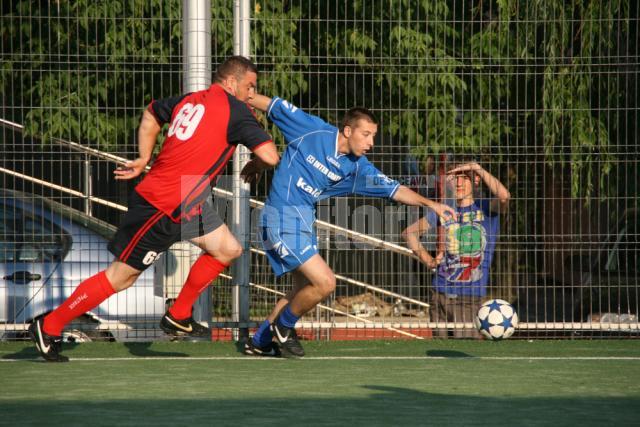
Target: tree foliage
74,67
83,70
482,76
474,76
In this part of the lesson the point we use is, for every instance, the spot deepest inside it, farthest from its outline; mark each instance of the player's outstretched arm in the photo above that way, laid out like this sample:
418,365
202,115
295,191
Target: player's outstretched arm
147,136
409,197
260,102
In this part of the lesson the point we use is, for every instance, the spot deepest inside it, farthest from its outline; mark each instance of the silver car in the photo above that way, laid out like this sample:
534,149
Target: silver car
46,250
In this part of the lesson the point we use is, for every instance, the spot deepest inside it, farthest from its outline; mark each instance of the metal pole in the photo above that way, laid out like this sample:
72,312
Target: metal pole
240,205
196,53
88,188
196,44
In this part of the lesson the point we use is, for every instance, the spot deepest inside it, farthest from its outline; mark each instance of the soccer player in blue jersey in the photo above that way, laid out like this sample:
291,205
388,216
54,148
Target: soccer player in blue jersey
320,161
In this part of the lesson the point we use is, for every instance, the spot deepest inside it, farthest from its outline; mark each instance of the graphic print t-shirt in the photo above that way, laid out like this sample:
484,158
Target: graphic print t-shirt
470,242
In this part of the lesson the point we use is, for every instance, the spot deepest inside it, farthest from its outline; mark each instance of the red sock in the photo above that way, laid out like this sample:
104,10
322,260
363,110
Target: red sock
88,294
203,272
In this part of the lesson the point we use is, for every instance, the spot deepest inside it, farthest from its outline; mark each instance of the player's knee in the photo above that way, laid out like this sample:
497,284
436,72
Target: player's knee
327,285
121,280
233,251
123,284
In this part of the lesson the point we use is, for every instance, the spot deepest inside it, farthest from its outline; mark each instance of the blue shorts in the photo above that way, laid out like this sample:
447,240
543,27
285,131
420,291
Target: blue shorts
288,240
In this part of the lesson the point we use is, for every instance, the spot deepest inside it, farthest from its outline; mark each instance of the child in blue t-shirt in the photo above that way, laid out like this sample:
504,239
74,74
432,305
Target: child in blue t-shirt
462,270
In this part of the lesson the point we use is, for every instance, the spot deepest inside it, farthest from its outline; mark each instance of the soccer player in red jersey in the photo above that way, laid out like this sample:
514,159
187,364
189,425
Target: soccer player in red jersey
168,205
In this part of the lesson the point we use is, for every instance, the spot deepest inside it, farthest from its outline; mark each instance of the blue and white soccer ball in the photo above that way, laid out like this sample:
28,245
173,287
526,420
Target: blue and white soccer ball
496,319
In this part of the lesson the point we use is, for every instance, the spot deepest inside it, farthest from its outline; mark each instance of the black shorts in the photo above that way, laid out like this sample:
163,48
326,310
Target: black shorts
145,232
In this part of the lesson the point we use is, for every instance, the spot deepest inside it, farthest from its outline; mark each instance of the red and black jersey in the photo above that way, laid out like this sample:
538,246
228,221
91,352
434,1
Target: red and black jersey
205,128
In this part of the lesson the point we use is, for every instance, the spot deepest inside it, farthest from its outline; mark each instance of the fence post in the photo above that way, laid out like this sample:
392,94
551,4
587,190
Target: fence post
196,52
240,205
87,186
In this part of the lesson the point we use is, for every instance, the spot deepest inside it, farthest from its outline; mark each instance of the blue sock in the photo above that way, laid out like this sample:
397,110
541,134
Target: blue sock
263,335
287,318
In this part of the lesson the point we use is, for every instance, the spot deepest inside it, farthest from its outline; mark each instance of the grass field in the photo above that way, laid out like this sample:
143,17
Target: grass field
366,383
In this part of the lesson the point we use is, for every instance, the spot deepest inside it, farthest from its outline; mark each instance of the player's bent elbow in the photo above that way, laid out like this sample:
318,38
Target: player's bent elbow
268,154
272,159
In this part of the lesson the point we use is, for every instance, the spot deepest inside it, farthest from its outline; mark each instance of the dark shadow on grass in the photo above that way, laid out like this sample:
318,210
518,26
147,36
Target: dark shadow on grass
383,405
143,349
447,353
29,353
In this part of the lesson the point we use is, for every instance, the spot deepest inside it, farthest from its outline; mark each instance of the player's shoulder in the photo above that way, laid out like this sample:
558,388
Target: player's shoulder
323,135
326,132
239,108
364,164
235,102
200,95
356,166
363,160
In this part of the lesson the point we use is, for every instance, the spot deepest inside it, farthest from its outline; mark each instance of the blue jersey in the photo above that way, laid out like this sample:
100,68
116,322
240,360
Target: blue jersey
311,169
470,242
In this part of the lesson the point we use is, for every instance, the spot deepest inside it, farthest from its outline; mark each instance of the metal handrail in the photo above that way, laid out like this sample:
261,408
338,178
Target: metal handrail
254,250
353,235
323,225
73,145
63,189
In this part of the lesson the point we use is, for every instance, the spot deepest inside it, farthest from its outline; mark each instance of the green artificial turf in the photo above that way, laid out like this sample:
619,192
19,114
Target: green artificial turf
364,383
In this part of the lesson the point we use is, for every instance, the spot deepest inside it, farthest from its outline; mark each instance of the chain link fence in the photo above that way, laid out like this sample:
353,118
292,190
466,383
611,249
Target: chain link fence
543,95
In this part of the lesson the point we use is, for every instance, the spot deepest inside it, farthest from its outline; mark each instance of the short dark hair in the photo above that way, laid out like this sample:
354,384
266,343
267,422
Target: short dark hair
236,66
456,160
354,114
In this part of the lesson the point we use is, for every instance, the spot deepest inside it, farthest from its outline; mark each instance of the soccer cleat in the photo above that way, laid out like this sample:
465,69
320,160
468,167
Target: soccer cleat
288,340
179,328
48,346
269,350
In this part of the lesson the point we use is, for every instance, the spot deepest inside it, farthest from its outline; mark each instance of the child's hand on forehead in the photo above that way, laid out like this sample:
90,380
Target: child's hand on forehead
467,167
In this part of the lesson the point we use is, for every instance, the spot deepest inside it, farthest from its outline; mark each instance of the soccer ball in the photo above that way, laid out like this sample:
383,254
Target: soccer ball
496,319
